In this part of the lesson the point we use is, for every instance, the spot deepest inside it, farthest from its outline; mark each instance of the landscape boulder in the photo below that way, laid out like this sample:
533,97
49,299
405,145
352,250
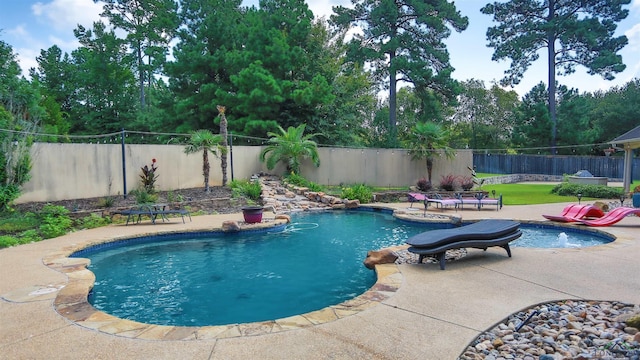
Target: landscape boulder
230,225
375,257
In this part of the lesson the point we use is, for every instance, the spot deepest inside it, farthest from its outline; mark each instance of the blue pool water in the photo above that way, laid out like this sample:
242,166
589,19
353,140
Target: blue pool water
548,236
193,280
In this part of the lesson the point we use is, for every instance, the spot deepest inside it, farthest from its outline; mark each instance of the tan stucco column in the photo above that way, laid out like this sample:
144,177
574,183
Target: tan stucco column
628,156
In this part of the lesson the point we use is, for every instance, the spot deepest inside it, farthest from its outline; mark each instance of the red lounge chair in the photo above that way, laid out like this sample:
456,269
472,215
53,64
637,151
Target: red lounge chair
572,212
441,202
611,217
438,200
415,197
479,200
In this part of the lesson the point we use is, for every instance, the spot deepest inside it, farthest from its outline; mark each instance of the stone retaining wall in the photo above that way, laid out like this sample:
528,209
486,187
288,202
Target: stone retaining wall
402,196
516,178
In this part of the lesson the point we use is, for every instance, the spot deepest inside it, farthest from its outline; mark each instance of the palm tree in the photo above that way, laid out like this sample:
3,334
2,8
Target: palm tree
424,142
290,147
223,134
205,141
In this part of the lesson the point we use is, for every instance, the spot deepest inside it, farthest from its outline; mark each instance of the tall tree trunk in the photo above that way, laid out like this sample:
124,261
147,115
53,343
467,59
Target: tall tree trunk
140,74
392,101
205,169
551,63
429,168
225,144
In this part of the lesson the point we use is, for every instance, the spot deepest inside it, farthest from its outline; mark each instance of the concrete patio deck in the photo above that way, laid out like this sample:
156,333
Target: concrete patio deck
433,315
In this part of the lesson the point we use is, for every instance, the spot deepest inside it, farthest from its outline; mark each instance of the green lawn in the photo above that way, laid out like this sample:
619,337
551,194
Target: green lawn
484,175
529,194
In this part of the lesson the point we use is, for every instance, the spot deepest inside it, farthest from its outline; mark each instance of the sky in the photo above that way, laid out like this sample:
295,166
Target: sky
30,26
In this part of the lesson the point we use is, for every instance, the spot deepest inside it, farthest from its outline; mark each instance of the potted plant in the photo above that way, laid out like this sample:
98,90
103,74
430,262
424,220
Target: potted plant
636,197
252,214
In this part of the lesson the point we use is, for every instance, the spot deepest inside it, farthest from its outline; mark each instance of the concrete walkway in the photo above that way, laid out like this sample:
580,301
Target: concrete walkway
433,315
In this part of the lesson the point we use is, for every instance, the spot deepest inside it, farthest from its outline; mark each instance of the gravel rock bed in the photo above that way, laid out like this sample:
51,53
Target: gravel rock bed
570,329
405,257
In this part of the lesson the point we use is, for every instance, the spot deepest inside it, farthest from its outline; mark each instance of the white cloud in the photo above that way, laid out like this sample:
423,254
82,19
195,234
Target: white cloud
633,35
324,8
65,15
634,70
27,59
18,31
28,40
67,44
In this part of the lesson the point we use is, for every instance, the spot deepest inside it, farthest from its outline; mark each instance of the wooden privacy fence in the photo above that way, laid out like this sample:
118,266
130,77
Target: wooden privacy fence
605,166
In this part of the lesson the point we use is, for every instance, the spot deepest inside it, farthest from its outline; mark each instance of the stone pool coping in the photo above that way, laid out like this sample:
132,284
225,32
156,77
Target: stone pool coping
434,314
72,303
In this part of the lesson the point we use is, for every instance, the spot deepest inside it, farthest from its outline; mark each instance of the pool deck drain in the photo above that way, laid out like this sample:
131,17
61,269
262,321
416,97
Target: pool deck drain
422,312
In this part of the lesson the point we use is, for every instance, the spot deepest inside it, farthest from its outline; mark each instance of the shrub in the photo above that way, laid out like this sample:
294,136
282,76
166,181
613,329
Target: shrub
144,197
245,188
24,238
29,236
8,193
55,221
360,192
466,183
297,180
8,241
106,202
253,190
93,221
172,197
15,157
16,223
424,185
315,187
592,191
448,182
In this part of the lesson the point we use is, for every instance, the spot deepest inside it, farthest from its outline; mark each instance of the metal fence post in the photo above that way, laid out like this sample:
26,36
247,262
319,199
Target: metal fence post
231,153
124,167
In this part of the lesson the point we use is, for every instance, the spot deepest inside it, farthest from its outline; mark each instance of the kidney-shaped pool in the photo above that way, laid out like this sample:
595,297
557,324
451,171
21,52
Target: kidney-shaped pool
199,279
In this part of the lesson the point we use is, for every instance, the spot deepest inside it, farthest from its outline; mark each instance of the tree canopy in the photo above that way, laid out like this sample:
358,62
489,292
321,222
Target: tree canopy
149,25
573,32
403,37
277,66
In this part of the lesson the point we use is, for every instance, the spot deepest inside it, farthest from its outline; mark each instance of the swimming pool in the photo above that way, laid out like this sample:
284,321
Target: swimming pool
199,279
540,235
211,279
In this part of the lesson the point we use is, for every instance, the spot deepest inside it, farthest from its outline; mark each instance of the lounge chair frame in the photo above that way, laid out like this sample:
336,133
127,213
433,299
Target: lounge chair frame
135,215
457,202
480,235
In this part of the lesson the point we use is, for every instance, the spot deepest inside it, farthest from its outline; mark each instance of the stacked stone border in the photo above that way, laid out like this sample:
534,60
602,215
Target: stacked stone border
72,303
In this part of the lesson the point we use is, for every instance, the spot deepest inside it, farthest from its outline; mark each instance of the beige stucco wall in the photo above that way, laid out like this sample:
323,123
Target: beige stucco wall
73,171
381,167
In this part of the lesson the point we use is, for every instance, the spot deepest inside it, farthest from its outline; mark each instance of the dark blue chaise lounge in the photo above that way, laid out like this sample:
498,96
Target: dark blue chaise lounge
480,235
